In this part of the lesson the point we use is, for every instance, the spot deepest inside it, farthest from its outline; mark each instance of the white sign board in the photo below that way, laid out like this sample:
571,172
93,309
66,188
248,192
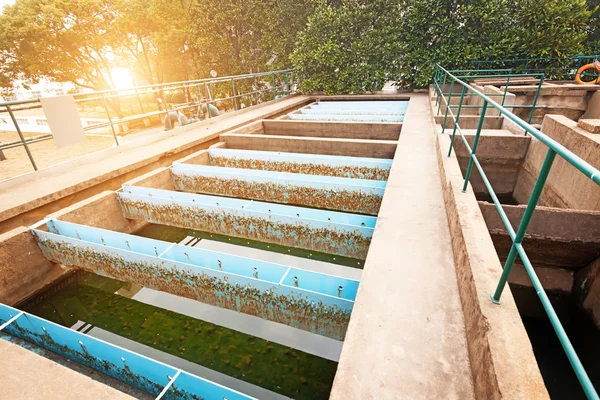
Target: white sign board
63,120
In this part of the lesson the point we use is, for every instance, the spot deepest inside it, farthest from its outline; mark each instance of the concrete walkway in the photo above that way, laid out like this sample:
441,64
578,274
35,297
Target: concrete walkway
406,338
27,374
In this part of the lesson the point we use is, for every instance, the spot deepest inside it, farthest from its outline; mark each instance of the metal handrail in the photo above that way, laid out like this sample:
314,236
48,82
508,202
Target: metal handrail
284,88
517,237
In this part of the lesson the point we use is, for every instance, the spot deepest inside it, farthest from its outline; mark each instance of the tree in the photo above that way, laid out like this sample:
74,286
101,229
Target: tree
65,40
153,39
551,28
452,33
234,37
354,45
349,47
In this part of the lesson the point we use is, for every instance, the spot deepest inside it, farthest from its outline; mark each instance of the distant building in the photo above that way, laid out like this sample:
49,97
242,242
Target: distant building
44,88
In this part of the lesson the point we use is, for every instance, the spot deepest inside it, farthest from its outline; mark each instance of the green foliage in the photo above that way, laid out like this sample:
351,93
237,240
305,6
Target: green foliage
352,46
67,40
592,42
159,40
551,28
452,32
349,47
235,37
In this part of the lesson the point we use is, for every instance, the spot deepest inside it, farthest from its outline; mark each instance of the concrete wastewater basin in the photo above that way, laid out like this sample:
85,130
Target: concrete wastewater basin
303,218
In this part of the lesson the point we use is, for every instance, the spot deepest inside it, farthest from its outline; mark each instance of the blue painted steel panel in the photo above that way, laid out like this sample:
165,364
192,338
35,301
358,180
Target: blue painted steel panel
395,104
239,283
303,158
316,191
356,118
118,240
330,232
136,370
316,181
333,111
322,218
187,383
313,164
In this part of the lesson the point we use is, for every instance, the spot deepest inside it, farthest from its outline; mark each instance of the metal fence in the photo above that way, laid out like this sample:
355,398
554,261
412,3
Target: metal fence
192,96
552,67
443,76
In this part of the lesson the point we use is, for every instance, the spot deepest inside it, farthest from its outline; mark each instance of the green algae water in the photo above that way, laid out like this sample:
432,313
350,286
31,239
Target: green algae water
93,299
173,234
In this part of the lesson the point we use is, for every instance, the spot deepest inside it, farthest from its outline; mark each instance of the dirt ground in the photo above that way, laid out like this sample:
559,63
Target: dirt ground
45,153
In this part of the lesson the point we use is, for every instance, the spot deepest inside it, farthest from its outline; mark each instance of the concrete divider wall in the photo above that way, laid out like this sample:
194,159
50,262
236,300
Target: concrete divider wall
348,130
329,146
23,268
502,360
500,155
565,187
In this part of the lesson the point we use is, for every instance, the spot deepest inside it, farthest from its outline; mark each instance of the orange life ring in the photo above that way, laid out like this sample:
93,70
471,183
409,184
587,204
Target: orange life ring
595,65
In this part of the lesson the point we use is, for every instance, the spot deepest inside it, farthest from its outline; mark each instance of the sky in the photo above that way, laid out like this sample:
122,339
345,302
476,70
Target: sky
5,2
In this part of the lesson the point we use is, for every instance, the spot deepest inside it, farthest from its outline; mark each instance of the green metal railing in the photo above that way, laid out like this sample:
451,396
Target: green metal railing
552,67
193,91
554,148
475,74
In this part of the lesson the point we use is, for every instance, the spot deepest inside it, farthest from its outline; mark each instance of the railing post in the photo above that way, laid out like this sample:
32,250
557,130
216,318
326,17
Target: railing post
456,119
505,89
235,106
448,105
257,95
286,90
139,100
112,128
441,94
475,143
14,120
537,95
533,200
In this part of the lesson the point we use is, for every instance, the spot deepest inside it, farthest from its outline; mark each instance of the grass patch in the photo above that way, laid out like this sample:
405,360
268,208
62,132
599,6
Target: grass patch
260,362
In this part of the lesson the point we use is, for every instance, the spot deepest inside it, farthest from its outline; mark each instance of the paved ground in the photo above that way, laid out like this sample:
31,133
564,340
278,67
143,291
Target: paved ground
28,374
406,337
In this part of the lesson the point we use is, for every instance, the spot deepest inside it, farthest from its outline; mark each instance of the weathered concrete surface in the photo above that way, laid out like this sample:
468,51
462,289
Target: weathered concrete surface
556,238
23,267
28,375
30,197
587,290
348,130
470,121
406,337
565,187
593,109
24,270
590,125
499,152
554,280
569,100
502,360
329,146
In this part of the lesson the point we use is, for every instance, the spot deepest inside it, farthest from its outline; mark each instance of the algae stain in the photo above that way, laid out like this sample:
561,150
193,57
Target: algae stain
92,299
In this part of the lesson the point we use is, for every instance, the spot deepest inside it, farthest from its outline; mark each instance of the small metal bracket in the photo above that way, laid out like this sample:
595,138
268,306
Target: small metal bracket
494,301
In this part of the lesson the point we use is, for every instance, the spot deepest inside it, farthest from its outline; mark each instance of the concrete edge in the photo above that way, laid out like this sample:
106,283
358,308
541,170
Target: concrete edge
502,360
50,171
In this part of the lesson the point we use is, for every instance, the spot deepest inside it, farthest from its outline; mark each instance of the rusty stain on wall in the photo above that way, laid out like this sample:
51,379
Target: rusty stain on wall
334,199
342,171
301,235
296,311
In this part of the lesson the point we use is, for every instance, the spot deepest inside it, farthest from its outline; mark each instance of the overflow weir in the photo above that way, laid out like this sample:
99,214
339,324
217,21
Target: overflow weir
313,247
